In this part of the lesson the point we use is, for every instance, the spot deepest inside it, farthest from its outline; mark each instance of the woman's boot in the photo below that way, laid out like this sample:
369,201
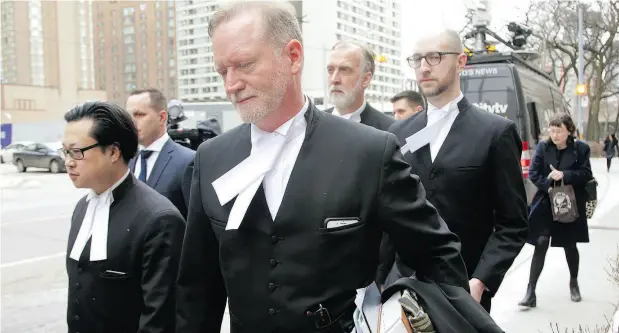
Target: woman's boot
575,291
530,300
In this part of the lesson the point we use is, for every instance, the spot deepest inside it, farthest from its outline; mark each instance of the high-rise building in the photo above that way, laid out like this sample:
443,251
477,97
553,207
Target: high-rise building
324,22
135,47
376,23
31,39
47,66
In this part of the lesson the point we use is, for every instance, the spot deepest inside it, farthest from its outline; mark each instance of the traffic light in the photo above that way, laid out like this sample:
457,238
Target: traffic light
581,89
380,58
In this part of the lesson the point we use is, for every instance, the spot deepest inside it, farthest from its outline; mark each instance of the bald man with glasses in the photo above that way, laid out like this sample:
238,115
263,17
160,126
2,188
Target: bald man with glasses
468,161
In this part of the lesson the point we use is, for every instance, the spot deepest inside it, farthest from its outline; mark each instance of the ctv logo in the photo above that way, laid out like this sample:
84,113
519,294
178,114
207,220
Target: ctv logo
494,108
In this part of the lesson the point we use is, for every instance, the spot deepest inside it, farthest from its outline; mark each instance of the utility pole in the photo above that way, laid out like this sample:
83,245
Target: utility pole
581,76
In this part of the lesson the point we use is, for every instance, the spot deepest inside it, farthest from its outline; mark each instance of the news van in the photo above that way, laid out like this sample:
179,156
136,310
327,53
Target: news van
507,85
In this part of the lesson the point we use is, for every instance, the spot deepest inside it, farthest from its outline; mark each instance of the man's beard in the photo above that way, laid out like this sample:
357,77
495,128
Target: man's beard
441,87
344,99
263,103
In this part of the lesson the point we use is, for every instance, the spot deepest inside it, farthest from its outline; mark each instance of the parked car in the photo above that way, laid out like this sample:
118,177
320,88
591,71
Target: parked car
40,155
6,156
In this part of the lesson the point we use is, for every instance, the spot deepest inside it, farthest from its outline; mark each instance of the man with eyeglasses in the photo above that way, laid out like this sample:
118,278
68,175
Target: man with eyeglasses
469,163
125,238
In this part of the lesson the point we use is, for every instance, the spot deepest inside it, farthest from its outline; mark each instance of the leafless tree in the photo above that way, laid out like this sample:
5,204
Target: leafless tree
555,25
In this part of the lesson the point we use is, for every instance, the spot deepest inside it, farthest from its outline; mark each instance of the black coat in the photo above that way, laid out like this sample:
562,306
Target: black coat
273,271
476,184
576,168
379,120
144,242
449,311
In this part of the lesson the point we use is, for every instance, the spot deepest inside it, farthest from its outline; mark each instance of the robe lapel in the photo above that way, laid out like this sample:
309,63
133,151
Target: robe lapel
422,156
76,224
456,132
298,178
240,149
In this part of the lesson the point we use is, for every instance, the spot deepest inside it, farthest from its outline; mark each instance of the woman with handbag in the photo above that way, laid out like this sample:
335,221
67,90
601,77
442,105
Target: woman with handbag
561,170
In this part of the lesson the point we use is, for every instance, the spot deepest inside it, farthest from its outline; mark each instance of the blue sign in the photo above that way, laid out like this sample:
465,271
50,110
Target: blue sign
7,134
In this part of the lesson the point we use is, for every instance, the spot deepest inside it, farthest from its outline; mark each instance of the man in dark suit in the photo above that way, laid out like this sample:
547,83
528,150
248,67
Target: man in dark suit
161,162
351,69
406,104
469,163
287,221
125,238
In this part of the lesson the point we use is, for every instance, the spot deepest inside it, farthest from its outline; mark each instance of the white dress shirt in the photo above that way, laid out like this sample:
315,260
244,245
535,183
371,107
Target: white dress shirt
354,116
276,179
272,158
434,115
156,148
95,224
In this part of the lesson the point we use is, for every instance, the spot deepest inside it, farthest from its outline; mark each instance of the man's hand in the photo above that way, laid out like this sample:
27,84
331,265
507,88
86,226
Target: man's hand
477,289
555,174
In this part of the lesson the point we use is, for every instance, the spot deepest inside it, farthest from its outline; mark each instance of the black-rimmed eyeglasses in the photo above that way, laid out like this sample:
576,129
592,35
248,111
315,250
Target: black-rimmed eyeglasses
78,153
432,58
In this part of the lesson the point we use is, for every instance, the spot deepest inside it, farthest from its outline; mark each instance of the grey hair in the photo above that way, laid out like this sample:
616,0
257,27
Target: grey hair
279,20
367,56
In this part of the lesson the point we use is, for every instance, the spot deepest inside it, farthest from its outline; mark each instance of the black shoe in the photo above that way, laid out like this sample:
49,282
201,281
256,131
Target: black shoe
530,300
575,291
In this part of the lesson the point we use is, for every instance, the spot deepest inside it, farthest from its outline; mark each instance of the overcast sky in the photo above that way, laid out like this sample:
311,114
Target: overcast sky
422,16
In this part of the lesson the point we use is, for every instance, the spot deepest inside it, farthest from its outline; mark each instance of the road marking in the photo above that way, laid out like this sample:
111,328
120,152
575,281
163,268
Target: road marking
42,219
31,260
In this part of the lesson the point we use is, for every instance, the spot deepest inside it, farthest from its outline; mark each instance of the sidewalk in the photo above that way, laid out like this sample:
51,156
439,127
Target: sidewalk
554,307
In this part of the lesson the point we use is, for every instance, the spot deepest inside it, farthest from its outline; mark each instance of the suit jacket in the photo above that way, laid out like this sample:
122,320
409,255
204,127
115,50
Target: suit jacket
144,241
168,172
274,272
379,120
476,184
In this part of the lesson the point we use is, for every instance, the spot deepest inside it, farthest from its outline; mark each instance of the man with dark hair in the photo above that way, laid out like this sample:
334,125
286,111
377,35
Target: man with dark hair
287,210
407,104
161,162
125,238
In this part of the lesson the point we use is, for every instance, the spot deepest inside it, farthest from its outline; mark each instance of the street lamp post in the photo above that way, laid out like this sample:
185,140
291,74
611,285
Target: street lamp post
581,80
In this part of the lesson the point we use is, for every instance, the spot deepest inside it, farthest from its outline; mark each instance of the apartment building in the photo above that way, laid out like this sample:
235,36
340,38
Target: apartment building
47,65
323,22
135,47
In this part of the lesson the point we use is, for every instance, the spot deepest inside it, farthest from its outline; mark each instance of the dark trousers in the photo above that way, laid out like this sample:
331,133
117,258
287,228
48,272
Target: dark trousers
486,301
608,162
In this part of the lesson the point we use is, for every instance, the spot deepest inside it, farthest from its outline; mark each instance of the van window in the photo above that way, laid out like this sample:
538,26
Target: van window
538,89
491,88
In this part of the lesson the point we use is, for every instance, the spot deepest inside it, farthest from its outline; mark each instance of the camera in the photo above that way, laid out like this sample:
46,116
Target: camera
520,33
189,137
